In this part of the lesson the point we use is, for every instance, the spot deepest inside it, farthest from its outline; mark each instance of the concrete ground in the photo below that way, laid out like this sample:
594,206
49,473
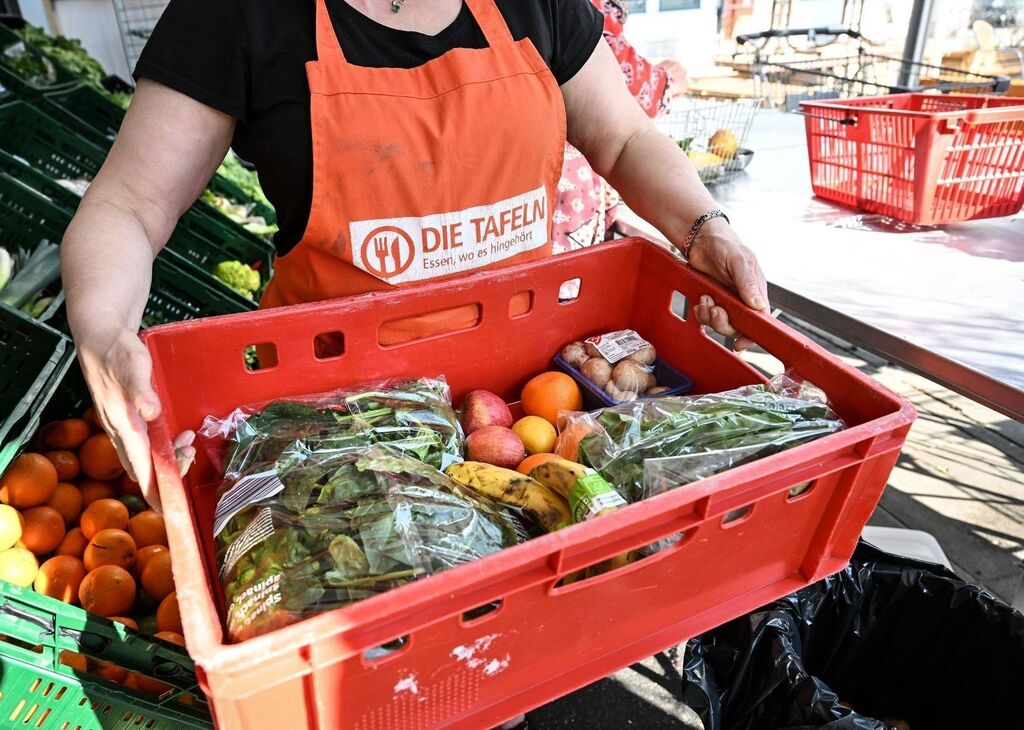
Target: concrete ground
960,478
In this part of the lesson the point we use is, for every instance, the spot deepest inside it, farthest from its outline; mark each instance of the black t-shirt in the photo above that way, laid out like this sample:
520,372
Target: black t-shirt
247,58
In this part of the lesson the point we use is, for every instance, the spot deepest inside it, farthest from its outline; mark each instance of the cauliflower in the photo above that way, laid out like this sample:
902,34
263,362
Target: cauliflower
242,278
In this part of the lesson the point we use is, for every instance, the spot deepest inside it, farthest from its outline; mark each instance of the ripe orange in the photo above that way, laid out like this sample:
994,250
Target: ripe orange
107,591
60,577
43,530
172,636
67,500
143,555
108,671
134,680
131,681
92,490
99,458
168,617
531,462
148,529
29,481
73,544
73,659
549,393
157,578
110,547
129,622
92,419
103,514
66,464
67,434
127,485
568,444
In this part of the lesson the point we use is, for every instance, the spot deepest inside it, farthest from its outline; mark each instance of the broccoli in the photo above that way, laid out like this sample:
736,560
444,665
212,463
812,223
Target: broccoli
242,278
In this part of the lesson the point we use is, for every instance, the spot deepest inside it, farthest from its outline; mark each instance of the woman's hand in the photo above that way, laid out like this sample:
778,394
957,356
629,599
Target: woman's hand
718,252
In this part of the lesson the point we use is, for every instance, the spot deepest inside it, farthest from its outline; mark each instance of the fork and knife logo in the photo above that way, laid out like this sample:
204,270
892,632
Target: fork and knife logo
387,252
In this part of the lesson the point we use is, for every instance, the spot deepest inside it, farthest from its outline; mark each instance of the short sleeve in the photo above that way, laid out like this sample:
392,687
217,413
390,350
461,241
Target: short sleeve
578,27
200,48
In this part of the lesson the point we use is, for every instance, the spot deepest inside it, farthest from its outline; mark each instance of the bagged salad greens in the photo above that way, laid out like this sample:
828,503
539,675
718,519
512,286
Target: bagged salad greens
650,446
329,500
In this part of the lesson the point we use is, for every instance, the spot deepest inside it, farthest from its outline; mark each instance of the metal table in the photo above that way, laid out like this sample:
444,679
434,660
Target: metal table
945,302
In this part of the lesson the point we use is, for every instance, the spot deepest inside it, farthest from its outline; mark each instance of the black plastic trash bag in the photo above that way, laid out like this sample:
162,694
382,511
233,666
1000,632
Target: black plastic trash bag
902,642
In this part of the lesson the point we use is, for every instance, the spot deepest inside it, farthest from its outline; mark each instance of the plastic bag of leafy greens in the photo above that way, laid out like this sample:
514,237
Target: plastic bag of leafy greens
650,446
347,525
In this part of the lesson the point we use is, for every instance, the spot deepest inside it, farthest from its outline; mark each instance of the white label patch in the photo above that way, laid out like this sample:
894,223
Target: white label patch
618,345
398,250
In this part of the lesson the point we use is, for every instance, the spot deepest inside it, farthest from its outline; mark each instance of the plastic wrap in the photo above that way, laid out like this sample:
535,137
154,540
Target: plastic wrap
887,643
647,447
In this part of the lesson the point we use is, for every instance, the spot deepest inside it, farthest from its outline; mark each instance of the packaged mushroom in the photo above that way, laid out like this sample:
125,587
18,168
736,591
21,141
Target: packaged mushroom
619,367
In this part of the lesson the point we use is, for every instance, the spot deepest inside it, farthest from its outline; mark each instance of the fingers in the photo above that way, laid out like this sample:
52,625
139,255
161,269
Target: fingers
711,315
184,451
132,367
748,278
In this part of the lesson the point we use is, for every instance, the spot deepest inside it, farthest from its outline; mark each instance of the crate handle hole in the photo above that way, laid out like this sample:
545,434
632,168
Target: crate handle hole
386,650
260,356
480,613
800,490
520,305
680,305
569,290
735,516
406,330
42,718
329,345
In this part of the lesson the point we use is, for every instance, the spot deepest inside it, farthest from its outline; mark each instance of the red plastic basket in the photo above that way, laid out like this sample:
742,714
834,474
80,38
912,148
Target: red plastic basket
748,537
919,158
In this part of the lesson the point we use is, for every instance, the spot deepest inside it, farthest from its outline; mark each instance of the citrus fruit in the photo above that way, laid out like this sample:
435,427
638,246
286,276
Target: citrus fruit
129,622
29,481
73,659
99,458
43,530
10,526
148,529
157,578
90,417
549,393
131,681
143,555
110,547
107,591
134,503
103,514
145,684
73,544
18,566
67,500
60,577
532,462
66,464
568,444
108,671
172,636
68,434
92,490
537,435
126,485
168,617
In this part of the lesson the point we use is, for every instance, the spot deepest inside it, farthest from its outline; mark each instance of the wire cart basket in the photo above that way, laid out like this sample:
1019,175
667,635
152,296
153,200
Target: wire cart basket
136,20
784,83
713,130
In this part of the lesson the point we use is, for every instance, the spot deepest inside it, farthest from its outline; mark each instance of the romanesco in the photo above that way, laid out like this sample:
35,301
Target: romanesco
242,278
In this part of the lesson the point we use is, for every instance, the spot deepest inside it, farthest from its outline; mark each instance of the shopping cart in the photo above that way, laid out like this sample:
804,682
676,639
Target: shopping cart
712,129
785,82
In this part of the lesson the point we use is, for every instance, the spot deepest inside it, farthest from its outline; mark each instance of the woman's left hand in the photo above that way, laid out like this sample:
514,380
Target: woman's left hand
719,253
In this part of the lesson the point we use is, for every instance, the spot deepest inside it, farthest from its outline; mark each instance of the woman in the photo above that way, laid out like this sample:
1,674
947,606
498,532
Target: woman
399,140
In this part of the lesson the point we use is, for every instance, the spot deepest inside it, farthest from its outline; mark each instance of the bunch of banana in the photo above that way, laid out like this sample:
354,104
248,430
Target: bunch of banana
548,509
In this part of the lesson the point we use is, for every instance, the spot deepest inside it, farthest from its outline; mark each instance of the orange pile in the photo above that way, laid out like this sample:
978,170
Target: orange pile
73,526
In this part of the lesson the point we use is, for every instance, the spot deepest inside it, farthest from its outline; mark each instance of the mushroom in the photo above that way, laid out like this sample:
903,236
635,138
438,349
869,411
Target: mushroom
597,370
645,355
630,375
575,354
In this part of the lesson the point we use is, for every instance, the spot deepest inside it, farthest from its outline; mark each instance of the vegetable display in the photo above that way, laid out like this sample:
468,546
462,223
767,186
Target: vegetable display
241,277
69,53
25,277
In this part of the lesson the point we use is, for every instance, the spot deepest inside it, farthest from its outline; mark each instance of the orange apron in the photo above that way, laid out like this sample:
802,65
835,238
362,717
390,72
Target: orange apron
425,173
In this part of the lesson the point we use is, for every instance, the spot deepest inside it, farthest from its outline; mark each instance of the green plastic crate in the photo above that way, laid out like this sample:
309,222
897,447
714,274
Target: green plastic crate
26,224
226,189
33,359
84,108
38,691
59,77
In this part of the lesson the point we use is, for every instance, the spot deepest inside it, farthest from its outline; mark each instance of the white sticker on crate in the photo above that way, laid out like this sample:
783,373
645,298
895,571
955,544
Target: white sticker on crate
246,491
407,684
258,530
615,346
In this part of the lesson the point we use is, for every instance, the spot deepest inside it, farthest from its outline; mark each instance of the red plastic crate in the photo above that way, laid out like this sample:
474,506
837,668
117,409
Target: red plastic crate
542,641
919,158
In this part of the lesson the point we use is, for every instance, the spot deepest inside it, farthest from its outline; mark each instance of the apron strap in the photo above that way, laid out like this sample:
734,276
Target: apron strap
491,22
327,44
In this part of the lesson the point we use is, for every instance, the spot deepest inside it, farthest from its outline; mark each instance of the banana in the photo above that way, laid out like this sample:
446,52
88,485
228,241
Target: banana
558,475
548,509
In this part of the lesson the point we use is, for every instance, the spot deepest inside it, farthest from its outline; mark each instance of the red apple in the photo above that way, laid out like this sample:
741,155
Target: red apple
482,408
495,445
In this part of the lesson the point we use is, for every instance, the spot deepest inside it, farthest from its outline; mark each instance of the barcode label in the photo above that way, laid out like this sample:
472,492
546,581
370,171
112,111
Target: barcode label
258,530
247,490
615,346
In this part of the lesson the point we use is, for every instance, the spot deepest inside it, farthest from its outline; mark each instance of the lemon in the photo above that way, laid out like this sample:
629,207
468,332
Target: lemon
724,143
10,526
18,566
536,433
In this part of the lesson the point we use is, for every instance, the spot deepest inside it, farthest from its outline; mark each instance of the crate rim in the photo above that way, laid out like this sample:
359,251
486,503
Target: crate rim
207,638
849,105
